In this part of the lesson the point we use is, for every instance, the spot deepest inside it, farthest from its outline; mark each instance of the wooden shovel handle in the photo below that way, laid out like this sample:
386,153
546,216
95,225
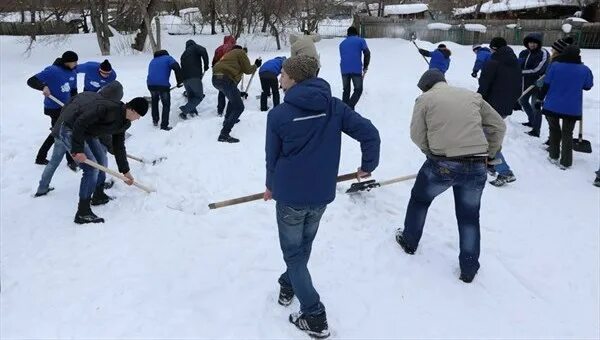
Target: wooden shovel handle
118,175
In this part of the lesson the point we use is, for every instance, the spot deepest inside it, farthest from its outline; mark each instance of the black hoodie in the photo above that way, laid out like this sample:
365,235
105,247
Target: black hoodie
194,61
500,81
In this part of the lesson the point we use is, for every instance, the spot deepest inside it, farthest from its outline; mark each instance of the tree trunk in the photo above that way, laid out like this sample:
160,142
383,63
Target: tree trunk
213,17
99,15
145,26
275,33
86,28
158,45
478,9
368,9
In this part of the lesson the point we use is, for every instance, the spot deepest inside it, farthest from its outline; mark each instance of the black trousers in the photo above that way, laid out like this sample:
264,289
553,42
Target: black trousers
269,84
43,151
561,139
165,99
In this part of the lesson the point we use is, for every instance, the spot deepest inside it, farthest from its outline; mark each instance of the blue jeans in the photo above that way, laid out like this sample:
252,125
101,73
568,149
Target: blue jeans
195,94
357,82
467,180
502,168
165,98
534,116
298,227
235,107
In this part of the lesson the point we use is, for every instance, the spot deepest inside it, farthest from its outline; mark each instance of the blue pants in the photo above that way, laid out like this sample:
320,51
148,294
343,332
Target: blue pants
467,180
195,94
502,168
165,98
357,82
298,227
534,116
235,107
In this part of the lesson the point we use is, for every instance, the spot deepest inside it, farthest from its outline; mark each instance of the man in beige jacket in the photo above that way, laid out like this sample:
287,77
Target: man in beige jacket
458,132
305,45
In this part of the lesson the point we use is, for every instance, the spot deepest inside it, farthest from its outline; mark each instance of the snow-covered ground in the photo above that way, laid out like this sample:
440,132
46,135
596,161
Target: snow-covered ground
164,266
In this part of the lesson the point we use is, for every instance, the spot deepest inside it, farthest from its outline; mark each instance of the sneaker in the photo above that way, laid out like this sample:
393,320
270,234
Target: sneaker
183,116
533,133
501,180
166,128
73,166
228,139
403,243
563,167
467,278
155,123
286,294
553,160
597,181
313,325
528,124
41,161
43,192
491,170
263,109
220,114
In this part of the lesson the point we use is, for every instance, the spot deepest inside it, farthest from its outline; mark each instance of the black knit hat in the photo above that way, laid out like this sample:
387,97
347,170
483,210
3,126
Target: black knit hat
498,42
69,57
441,46
139,105
105,66
430,78
352,31
561,44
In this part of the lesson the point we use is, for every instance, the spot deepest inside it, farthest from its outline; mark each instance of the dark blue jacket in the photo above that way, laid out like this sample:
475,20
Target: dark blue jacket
350,55
440,58
500,81
274,66
564,83
159,71
533,62
61,80
93,81
482,55
304,136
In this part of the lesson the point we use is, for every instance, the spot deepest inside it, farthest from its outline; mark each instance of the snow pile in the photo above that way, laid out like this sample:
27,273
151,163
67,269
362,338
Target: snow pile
512,26
405,9
476,28
439,26
567,28
513,5
576,19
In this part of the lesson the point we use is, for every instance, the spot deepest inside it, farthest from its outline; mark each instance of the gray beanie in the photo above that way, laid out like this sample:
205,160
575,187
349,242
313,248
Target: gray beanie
430,78
301,67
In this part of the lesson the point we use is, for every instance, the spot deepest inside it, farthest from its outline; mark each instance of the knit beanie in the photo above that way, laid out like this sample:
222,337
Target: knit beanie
69,57
476,48
561,44
430,78
498,42
352,31
139,105
441,46
105,66
301,67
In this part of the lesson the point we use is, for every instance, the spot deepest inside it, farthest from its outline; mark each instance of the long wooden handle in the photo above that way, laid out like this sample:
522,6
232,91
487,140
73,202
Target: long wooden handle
118,175
135,158
531,87
398,179
250,81
54,99
581,129
256,197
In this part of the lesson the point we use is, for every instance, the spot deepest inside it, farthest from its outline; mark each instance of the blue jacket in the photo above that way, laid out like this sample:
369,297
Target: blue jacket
483,54
304,136
61,81
93,81
350,55
159,71
564,83
533,62
274,66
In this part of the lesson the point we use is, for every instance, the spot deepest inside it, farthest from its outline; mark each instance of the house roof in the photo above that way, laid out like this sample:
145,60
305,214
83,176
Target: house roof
404,9
513,5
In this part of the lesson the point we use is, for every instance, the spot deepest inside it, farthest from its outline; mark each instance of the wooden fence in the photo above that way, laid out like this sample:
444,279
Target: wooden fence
38,28
587,34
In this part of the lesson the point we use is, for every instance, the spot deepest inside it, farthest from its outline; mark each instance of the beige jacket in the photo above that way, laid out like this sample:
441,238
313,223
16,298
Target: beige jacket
450,121
305,45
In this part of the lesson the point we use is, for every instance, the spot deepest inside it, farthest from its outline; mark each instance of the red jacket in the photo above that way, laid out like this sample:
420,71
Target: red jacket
228,43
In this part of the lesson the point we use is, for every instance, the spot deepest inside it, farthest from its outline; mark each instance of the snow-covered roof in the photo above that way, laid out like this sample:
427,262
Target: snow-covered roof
576,19
404,9
475,28
439,26
189,10
513,5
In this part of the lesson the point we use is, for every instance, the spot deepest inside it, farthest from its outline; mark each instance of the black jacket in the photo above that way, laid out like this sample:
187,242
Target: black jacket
500,81
533,62
194,61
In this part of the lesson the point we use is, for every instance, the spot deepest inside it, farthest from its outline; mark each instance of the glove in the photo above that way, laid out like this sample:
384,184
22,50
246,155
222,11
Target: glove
258,62
538,104
244,95
474,74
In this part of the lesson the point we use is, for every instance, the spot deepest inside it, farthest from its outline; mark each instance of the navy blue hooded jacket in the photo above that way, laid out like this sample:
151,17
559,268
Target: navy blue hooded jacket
483,54
159,71
61,80
273,66
533,62
440,58
303,143
93,81
500,81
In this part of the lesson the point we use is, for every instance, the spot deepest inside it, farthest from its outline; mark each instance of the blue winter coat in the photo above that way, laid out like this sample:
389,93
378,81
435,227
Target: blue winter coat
61,81
93,81
533,62
304,136
483,54
565,82
159,70
273,66
440,58
351,49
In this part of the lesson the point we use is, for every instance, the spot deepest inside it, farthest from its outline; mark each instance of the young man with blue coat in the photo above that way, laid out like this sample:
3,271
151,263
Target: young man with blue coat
482,54
303,145
60,81
566,79
268,73
97,75
352,66
159,72
440,58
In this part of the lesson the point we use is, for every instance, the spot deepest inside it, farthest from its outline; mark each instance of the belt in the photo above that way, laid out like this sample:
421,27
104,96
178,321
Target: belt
219,75
460,159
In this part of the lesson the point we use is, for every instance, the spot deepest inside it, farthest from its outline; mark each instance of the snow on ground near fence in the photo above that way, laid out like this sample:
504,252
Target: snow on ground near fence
164,266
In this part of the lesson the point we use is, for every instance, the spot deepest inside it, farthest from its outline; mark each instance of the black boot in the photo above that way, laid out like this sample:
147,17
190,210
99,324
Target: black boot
313,325
85,215
228,139
286,294
400,240
99,197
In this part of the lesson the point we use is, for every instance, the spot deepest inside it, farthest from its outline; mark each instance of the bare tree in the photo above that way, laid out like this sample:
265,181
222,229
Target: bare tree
99,9
147,10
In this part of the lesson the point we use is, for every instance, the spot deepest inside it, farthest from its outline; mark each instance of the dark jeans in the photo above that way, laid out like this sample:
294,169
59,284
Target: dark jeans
235,107
298,227
43,152
269,84
467,180
357,82
561,137
165,98
221,103
195,94
534,116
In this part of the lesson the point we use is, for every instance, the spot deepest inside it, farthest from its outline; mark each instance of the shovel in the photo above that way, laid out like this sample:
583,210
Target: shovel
412,40
149,99
580,144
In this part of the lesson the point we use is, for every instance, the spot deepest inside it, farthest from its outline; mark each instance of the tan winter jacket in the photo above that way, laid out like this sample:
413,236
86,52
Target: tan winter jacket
305,45
450,121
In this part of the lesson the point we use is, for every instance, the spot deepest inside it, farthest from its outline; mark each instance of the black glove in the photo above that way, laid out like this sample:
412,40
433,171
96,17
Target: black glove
538,104
423,52
474,74
244,95
258,62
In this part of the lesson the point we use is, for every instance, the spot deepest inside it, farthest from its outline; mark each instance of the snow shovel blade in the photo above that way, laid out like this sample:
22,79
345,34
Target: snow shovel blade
582,145
158,160
362,186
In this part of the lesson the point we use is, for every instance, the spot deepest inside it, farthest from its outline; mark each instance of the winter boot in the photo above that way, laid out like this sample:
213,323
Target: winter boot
403,244
533,133
228,139
166,128
553,160
43,192
73,166
501,180
109,184
99,197
467,278
183,116
528,124
84,213
597,181
286,294
41,161
313,325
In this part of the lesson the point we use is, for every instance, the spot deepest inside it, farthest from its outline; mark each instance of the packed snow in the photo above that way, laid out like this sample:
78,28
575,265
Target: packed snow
439,26
404,9
512,26
476,28
164,266
576,19
513,5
